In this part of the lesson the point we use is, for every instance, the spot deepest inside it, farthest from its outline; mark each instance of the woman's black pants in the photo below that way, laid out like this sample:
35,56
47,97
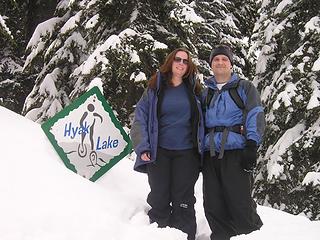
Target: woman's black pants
172,179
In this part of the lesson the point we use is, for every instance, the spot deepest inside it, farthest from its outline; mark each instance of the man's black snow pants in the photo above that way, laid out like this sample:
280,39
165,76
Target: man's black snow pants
229,207
172,179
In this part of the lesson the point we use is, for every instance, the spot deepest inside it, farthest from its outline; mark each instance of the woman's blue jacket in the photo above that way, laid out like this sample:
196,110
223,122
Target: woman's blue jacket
144,129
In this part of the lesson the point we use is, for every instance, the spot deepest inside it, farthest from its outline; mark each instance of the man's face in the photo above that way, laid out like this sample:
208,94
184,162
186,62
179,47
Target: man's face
221,65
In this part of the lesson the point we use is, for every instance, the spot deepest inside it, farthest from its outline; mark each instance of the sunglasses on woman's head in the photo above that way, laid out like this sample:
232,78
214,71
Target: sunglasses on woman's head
181,60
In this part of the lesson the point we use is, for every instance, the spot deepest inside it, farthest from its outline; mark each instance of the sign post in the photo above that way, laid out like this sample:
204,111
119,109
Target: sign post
87,136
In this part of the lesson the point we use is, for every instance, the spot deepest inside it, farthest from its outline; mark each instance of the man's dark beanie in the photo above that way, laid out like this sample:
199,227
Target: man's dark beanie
221,49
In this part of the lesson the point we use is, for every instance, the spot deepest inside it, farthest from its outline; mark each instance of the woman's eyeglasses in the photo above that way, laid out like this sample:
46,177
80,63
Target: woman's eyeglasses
181,60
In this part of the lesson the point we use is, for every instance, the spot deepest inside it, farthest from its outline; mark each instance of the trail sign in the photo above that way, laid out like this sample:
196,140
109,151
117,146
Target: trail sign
87,135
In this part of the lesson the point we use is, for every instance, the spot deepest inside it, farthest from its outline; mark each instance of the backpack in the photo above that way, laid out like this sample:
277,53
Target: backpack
239,128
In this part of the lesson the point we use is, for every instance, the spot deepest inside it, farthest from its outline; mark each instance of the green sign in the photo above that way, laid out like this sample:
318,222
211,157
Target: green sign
87,135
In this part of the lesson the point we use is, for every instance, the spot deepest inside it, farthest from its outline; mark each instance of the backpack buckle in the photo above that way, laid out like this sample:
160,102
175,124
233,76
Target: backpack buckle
242,130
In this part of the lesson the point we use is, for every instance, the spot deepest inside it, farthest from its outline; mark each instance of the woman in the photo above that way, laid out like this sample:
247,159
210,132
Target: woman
167,134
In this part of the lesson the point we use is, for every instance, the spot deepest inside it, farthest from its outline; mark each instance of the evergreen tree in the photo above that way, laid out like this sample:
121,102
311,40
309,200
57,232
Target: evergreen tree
122,43
14,85
288,36
19,19
247,15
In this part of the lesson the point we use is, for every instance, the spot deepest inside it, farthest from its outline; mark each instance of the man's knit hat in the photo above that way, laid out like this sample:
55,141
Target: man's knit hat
221,49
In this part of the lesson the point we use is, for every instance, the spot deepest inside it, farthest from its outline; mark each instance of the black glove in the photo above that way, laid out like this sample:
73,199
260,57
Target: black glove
249,156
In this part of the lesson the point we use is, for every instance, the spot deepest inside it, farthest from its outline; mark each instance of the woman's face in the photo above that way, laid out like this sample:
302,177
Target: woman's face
180,64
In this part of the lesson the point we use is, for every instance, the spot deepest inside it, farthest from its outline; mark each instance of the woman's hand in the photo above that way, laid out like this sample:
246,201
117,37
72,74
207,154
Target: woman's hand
145,156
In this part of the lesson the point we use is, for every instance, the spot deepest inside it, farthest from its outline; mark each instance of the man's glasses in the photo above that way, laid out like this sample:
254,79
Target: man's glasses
181,60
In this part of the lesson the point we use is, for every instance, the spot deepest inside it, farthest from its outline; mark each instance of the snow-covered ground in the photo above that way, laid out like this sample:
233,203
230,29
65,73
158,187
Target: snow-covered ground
43,200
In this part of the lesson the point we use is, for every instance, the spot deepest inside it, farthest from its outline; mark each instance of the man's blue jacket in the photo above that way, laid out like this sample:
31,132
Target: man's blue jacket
144,129
222,111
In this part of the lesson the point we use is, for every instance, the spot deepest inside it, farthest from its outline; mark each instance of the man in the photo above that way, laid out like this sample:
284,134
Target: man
234,121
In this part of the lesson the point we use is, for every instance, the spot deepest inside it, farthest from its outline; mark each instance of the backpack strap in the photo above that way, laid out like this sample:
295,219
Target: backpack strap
234,94
209,96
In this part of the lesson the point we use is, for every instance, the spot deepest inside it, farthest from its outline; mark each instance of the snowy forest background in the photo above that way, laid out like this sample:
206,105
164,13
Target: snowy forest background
51,50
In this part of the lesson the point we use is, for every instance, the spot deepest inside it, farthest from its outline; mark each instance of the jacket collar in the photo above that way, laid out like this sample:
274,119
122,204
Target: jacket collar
160,81
212,83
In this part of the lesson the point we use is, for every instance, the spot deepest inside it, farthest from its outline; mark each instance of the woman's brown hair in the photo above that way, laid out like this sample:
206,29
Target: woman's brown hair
166,70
